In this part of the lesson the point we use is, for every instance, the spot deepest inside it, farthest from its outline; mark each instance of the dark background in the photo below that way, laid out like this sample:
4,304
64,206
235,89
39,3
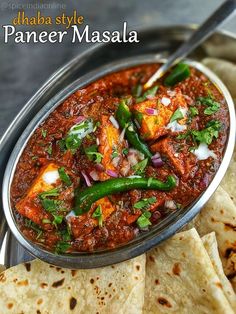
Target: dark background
24,67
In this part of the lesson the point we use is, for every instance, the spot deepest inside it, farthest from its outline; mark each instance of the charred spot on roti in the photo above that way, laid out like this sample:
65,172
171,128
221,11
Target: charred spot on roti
40,301
73,303
23,283
222,212
229,226
91,280
138,267
176,269
218,284
58,283
10,306
27,266
164,302
51,266
231,276
157,282
73,272
229,252
110,284
2,277
58,268
43,285
151,258
38,312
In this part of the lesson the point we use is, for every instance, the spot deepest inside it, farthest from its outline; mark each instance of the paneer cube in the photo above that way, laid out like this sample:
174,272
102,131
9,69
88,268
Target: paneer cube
155,114
108,144
84,224
180,158
29,206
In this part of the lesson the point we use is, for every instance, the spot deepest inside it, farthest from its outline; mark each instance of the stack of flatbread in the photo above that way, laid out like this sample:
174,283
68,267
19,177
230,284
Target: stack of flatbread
194,272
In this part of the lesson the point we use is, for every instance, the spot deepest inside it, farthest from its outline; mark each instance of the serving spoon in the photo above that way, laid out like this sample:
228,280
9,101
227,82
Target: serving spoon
202,33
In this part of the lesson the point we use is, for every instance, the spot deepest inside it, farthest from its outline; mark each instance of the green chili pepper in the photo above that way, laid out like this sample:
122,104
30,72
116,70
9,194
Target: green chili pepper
85,198
178,74
123,116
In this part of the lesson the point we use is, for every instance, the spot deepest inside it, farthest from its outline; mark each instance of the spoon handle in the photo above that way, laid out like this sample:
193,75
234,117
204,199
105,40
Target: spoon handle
203,32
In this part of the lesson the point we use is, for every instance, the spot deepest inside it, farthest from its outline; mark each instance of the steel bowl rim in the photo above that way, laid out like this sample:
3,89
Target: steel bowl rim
89,260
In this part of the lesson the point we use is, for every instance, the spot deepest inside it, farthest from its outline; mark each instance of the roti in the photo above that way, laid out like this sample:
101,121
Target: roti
37,287
180,278
210,244
219,215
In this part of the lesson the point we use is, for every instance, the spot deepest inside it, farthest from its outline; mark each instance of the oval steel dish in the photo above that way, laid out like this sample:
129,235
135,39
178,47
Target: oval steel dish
161,231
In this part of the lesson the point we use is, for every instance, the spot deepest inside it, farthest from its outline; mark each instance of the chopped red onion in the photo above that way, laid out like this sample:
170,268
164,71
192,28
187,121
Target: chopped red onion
94,175
125,168
170,204
151,111
112,173
80,119
157,161
114,122
122,135
99,167
86,178
156,156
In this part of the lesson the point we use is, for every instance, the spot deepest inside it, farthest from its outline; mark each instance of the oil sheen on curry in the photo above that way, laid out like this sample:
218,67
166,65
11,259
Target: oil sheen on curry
113,160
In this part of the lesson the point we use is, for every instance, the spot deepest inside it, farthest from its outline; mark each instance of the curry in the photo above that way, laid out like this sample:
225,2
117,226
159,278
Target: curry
113,159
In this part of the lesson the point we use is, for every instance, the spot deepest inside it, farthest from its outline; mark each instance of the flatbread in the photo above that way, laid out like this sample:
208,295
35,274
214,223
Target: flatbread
221,47
229,180
210,244
225,70
219,215
37,287
180,278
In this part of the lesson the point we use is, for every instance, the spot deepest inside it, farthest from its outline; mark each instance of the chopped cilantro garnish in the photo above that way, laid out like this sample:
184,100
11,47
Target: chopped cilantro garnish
93,154
177,115
193,111
64,176
114,154
62,247
207,135
46,221
212,105
30,224
49,149
72,142
57,219
140,166
150,92
44,133
98,214
50,205
143,221
145,203
125,151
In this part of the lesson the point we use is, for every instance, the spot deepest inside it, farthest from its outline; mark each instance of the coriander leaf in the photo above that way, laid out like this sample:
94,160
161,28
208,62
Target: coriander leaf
145,203
46,221
140,167
64,176
143,221
96,156
30,224
62,247
49,149
44,133
177,115
150,92
207,135
212,106
72,142
193,111
98,214
125,151
57,219
114,154
65,234
50,205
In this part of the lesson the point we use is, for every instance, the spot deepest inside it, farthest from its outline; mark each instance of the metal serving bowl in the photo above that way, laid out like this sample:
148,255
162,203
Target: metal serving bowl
163,230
